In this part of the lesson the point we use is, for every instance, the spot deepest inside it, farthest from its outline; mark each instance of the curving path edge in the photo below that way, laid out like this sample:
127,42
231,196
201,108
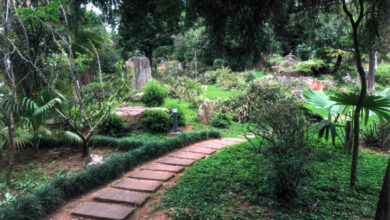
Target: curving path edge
122,197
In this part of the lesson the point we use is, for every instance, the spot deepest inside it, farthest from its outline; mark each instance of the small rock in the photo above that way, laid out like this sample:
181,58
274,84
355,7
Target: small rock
137,96
297,93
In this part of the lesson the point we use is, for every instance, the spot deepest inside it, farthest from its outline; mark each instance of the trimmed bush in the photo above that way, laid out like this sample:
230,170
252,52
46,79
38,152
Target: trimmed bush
114,126
221,120
154,93
51,195
170,103
156,121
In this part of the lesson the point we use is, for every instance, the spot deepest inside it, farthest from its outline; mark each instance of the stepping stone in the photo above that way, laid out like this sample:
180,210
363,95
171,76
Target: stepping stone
187,155
163,167
138,185
212,145
226,142
238,140
152,175
103,211
202,150
122,196
176,161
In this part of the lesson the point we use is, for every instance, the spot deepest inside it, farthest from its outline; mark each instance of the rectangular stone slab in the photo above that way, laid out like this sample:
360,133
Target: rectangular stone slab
238,140
175,161
103,211
122,196
187,155
152,175
138,185
212,145
201,150
226,142
163,167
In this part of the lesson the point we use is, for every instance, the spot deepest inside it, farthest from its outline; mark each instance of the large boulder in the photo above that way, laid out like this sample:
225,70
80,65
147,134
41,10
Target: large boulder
206,112
291,59
133,115
138,68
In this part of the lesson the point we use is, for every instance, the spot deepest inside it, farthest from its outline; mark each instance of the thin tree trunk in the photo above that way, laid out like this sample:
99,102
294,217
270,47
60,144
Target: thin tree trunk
371,71
337,65
363,91
383,208
85,147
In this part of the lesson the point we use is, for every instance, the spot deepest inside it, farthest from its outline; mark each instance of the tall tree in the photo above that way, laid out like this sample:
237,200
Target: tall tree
148,24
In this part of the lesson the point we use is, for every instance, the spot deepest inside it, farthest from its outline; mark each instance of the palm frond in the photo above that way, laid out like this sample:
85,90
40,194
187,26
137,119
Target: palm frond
72,137
371,103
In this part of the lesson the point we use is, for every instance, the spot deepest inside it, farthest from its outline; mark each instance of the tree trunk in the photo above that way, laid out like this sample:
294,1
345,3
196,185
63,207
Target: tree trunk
337,65
363,91
383,208
85,147
371,71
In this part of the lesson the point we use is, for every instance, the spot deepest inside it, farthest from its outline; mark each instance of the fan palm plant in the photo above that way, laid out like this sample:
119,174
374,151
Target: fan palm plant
36,111
344,104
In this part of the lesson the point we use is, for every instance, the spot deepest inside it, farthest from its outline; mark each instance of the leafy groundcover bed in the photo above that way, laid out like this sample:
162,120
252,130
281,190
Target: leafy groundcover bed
233,185
53,194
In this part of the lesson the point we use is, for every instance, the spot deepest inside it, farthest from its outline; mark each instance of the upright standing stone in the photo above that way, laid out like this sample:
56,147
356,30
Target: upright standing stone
206,111
139,69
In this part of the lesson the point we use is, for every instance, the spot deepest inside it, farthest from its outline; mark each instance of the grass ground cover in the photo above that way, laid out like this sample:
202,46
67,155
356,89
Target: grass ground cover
213,92
233,185
259,74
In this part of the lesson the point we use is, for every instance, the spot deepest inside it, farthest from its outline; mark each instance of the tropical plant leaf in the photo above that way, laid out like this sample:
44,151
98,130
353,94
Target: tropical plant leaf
318,99
376,104
72,137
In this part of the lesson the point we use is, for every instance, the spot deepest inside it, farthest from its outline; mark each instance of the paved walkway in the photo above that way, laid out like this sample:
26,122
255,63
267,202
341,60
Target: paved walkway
119,199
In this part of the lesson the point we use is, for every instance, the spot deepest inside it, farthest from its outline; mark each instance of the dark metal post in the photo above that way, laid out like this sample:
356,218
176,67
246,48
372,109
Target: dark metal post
174,111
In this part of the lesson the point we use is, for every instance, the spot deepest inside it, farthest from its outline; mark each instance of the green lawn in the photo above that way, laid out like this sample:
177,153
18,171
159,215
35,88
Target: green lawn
213,92
233,185
259,74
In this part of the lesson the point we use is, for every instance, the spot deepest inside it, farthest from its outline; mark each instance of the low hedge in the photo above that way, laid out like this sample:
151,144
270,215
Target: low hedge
53,194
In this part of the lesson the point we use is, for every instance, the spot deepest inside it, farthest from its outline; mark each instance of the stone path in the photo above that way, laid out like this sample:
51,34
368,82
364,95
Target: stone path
121,198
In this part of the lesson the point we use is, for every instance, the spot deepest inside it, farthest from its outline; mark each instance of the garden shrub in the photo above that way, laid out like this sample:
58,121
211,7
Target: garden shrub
154,93
221,120
219,63
170,103
377,135
156,121
114,126
53,194
285,142
228,80
286,64
245,106
382,76
103,141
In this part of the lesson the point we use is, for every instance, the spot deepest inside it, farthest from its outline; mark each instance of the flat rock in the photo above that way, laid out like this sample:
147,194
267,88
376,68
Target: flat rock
163,167
176,161
103,211
187,155
237,140
201,150
138,185
226,142
122,196
152,175
212,145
